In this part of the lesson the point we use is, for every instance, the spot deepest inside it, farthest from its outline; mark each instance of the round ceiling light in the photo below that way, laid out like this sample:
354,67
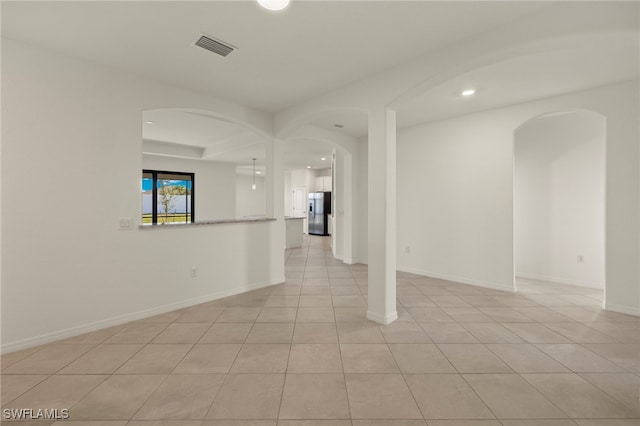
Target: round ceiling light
274,4
468,92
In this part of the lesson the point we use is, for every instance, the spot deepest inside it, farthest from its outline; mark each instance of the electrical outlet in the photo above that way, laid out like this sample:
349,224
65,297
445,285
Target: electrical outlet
580,258
194,272
407,249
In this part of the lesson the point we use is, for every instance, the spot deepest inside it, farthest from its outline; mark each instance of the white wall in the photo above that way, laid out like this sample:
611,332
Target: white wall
454,198
215,195
71,138
455,192
559,199
249,202
288,194
361,197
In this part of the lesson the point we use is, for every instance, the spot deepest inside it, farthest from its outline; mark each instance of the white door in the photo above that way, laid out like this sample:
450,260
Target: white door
300,205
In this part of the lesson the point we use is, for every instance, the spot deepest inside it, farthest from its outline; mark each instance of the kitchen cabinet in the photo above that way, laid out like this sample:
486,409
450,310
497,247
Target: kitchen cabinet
323,183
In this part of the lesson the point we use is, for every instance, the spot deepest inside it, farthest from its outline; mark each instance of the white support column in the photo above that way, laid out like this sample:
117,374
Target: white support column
382,216
274,185
347,209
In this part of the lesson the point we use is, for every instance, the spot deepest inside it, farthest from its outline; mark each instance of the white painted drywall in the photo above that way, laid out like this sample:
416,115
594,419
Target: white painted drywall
250,203
337,205
288,194
215,196
455,192
71,163
361,197
559,199
454,200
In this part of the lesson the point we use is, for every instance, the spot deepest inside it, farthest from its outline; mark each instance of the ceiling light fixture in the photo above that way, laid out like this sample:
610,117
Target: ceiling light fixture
149,122
274,4
468,92
253,186
323,159
308,167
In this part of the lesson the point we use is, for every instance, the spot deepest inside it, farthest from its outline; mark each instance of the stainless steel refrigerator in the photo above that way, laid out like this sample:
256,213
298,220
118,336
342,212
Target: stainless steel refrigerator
319,212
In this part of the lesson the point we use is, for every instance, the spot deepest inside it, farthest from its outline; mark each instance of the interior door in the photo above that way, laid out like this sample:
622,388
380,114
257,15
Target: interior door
299,202
300,206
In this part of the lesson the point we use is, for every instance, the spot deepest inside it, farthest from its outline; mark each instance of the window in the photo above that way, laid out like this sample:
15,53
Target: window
167,197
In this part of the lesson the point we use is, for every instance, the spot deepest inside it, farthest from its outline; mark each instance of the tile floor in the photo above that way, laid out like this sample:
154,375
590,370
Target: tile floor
303,354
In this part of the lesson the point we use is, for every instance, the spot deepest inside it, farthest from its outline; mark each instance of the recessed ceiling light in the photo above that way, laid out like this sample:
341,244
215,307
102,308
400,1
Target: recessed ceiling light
308,167
339,126
468,92
258,173
274,4
323,159
149,122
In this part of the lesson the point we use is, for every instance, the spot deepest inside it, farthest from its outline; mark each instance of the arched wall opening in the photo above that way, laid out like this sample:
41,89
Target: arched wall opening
343,130
333,174
559,200
226,155
477,248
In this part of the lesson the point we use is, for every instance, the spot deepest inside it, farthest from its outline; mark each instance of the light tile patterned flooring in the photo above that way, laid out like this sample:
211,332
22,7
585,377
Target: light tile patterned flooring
303,354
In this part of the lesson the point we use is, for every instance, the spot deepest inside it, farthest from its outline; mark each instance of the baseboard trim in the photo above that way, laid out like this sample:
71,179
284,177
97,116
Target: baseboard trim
382,319
565,281
622,309
458,279
360,261
122,319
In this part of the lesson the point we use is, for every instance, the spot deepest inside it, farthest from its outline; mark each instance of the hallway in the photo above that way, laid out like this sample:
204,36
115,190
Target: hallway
303,350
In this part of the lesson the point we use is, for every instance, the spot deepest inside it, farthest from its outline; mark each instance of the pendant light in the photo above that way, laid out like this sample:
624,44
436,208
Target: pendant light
253,186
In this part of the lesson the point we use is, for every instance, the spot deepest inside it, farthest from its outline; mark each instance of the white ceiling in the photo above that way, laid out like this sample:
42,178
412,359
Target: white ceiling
302,153
524,79
309,49
283,58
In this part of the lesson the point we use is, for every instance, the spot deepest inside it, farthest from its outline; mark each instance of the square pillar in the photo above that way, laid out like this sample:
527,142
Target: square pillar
274,186
382,216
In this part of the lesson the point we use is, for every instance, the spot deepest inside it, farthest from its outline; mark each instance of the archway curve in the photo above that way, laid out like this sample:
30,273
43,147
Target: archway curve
286,127
557,112
343,232
224,117
601,125
313,133
566,43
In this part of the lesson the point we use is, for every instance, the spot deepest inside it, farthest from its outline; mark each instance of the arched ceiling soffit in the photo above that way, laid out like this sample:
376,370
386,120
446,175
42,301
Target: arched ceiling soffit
559,114
241,121
310,132
543,32
601,48
201,135
532,73
316,120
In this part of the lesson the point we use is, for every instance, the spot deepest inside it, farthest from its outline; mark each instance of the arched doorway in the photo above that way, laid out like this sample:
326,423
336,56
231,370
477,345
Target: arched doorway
559,202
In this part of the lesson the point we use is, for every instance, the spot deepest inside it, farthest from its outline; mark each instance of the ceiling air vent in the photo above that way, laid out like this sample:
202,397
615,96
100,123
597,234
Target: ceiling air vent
214,46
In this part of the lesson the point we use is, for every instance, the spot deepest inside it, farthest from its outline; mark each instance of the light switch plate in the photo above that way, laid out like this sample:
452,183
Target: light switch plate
125,223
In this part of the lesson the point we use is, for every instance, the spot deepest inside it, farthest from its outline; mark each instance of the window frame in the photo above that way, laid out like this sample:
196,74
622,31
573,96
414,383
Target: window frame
154,194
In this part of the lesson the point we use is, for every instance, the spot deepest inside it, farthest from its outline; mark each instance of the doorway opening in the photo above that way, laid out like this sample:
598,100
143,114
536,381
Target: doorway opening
559,205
